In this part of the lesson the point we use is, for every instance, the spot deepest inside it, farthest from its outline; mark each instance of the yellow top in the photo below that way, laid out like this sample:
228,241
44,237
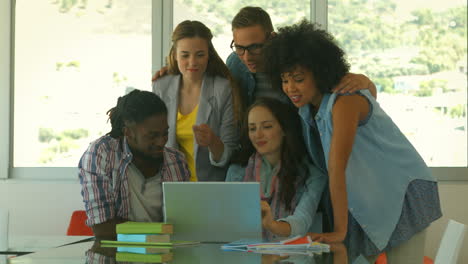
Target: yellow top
185,138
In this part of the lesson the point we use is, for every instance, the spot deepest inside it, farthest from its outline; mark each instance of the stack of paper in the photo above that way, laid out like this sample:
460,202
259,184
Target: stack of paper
297,245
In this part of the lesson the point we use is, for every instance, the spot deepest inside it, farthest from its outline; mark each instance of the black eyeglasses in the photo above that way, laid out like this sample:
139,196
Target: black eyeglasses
254,49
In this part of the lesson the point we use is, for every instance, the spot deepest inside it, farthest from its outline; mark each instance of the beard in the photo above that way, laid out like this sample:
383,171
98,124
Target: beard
146,157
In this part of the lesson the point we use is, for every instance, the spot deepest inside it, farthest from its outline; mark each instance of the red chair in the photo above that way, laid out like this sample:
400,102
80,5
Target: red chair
382,259
428,260
77,226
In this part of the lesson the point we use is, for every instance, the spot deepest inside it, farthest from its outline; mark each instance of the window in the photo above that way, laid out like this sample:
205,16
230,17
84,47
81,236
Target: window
73,59
416,54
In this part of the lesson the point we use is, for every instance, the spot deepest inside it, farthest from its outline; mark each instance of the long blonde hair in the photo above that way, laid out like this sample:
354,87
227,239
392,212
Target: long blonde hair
215,67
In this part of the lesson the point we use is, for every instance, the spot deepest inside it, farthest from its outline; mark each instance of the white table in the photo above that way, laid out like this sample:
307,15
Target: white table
28,244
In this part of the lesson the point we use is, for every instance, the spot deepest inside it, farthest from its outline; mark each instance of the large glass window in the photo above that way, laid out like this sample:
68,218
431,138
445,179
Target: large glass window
217,15
72,61
416,54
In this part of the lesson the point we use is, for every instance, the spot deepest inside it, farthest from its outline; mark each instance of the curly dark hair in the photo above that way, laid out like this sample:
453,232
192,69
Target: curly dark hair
293,152
305,45
134,107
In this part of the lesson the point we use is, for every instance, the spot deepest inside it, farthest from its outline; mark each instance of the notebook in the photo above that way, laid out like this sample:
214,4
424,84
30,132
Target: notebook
144,258
302,245
213,211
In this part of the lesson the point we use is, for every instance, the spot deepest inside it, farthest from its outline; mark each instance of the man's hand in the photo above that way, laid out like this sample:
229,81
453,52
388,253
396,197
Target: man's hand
352,82
106,230
333,237
159,74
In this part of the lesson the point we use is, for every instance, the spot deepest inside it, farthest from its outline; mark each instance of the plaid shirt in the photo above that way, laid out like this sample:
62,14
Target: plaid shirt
103,173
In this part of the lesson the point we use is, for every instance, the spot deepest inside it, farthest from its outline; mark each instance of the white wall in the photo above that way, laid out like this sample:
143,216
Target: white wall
40,208
45,207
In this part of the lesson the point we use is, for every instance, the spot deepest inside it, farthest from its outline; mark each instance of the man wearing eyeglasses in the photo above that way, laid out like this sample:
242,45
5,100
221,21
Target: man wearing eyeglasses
252,28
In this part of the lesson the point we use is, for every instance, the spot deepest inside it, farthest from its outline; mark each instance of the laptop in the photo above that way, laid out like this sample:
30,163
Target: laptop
213,211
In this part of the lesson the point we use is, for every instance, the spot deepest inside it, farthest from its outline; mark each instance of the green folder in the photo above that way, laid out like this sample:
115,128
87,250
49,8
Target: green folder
175,243
144,228
145,258
123,243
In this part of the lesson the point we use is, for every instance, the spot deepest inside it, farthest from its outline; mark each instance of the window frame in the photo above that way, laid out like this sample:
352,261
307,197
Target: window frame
6,64
162,11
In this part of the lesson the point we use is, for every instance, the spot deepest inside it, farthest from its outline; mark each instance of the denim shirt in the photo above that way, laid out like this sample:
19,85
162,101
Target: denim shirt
381,165
248,83
305,217
243,76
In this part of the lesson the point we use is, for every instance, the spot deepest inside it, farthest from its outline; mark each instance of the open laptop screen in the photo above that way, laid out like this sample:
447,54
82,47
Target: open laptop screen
213,211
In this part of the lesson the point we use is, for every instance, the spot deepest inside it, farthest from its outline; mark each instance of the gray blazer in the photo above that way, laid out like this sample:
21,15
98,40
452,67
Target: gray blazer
215,109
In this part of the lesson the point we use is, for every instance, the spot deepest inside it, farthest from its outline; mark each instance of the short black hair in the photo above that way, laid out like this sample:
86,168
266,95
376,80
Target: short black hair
134,107
304,44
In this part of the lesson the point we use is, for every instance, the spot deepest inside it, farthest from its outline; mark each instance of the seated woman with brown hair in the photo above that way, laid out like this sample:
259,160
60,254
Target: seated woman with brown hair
274,154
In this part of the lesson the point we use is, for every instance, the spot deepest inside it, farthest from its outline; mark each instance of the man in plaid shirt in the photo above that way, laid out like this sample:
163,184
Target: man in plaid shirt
121,173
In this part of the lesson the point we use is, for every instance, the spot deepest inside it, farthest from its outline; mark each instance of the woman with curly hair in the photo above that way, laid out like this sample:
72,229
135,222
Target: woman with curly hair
383,196
274,154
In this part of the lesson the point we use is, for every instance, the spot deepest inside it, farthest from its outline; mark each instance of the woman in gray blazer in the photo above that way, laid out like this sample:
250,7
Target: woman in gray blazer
202,100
